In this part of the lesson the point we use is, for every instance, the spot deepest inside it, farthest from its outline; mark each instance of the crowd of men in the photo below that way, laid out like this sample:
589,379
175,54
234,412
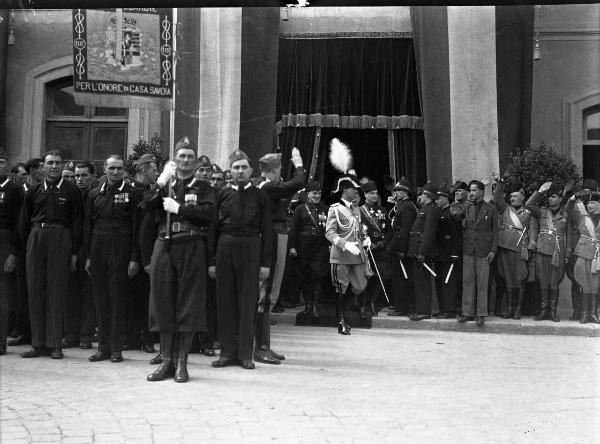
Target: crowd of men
198,250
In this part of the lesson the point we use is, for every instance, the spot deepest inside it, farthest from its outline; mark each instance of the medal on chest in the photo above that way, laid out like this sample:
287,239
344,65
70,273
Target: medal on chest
120,198
191,200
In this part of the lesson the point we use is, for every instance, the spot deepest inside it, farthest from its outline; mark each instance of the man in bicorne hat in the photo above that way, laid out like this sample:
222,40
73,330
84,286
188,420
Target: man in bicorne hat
403,215
348,239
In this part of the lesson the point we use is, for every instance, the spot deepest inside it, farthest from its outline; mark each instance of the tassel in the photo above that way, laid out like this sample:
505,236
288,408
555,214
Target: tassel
555,261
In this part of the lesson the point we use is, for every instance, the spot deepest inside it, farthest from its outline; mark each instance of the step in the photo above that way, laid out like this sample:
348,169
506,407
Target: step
524,326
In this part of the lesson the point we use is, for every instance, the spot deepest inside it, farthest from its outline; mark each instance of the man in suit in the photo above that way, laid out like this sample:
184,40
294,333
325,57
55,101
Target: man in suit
480,243
348,239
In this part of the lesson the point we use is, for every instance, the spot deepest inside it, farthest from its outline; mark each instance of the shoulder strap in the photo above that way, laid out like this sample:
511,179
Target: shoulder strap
311,216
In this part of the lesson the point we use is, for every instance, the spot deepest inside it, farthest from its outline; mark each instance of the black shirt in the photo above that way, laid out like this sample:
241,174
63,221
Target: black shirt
281,193
246,212
11,199
53,203
113,209
312,224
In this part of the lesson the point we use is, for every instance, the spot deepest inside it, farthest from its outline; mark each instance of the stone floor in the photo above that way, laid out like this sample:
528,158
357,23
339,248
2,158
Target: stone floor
378,385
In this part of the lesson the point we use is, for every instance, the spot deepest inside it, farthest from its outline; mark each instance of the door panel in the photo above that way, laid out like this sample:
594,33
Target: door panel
70,138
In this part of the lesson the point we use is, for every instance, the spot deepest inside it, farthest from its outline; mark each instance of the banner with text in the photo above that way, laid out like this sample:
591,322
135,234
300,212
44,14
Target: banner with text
123,57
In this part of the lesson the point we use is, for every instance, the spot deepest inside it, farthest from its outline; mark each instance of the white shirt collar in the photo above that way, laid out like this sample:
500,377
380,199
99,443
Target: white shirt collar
236,187
57,186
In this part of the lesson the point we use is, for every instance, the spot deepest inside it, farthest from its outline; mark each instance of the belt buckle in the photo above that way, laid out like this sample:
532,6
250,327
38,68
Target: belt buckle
176,227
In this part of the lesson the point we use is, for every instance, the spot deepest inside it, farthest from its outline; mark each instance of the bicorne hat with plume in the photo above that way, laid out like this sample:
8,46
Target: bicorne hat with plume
340,157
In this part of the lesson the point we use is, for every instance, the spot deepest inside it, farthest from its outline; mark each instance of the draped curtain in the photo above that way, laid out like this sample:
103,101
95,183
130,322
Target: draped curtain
355,83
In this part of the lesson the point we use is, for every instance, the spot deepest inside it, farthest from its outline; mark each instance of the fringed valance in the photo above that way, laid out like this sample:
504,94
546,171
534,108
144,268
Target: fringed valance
350,122
346,35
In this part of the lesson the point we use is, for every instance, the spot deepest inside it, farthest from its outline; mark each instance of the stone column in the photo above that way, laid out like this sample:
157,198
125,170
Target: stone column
473,97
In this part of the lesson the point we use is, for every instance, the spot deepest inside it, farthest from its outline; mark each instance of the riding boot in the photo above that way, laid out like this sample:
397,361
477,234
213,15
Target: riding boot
184,341
594,308
343,327
316,297
306,310
519,292
554,304
266,338
576,298
586,307
510,299
545,311
165,369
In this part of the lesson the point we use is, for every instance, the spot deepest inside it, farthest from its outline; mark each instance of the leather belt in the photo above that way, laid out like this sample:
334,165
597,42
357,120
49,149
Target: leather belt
510,227
182,227
553,233
48,225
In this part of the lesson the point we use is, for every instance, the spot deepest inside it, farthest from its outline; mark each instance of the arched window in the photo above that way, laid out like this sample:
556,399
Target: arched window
82,132
591,125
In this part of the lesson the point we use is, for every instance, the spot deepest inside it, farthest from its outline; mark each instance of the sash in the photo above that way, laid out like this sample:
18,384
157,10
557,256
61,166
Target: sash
373,222
312,217
555,257
519,226
589,224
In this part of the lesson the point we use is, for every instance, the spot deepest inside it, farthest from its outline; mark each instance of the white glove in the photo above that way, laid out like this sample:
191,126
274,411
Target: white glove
170,205
296,157
168,173
352,248
367,242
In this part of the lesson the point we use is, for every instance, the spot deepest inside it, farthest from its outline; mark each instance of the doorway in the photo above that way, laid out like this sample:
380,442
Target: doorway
370,152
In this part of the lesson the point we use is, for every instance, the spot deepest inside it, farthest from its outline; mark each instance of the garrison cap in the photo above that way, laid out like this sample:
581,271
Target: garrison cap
144,158
270,161
69,166
184,142
203,161
595,196
238,155
227,175
216,168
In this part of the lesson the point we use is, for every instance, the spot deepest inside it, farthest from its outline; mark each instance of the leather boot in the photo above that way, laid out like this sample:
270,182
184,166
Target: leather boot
519,292
316,297
593,317
510,299
576,298
306,310
587,316
184,341
166,368
554,305
545,311
266,339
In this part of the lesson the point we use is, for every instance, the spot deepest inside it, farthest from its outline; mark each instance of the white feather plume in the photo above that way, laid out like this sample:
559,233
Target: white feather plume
340,156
